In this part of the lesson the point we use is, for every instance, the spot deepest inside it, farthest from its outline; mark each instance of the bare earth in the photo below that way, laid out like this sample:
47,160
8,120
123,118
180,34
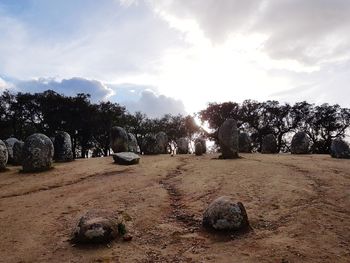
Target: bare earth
298,207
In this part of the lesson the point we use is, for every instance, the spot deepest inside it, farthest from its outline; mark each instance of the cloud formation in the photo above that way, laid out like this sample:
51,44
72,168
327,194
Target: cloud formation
307,31
68,87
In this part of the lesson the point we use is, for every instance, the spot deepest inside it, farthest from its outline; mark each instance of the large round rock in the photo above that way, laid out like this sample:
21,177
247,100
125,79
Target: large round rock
63,147
203,142
3,155
38,152
269,144
340,149
10,142
18,153
228,139
150,144
95,228
300,143
224,214
182,145
162,141
132,143
119,139
245,143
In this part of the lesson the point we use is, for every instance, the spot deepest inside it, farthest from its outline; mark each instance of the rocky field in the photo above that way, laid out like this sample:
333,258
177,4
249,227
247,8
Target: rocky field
298,208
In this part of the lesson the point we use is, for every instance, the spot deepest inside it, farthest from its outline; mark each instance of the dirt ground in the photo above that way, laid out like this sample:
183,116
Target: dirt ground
298,207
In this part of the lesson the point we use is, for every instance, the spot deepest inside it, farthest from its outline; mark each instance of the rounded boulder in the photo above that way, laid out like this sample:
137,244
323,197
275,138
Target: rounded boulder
38,151
224,214
18,153
63,147
340,149
300,143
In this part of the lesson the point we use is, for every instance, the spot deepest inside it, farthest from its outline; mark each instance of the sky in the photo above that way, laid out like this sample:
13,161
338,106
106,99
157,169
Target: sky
176,56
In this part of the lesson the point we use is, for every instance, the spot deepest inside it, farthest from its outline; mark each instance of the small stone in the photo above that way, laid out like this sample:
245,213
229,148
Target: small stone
224,214
95,228
127,237
126,158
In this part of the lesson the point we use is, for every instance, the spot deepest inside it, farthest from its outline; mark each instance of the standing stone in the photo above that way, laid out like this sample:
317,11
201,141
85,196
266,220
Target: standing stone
162,141
203,142
300,143
269,144
182,145
150,144
245,143
10,142
63,147
132,143
119,139
340,149
198,149
224,214
228,139
38,152
17,153
3,155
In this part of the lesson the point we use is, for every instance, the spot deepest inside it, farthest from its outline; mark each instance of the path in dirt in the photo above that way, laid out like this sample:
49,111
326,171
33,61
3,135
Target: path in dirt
298,207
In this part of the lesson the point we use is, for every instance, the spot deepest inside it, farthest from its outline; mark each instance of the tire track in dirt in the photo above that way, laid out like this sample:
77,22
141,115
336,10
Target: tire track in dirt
178,211
55,186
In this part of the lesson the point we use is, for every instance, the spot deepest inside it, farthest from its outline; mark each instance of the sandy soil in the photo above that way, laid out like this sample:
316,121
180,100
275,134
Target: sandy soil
298,207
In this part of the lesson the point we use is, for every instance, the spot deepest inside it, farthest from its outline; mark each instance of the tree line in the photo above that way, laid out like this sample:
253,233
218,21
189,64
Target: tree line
89,124
322,123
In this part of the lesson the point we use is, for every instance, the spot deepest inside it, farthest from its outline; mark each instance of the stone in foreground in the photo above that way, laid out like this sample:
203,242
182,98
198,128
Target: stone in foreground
225,215
38,152
3,155
63,147
269,144
95,228
18,152
228,139
300,143
126,158
340,149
